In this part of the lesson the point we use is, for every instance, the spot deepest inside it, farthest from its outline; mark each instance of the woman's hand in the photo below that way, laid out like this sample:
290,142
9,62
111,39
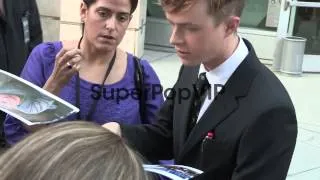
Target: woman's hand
67,63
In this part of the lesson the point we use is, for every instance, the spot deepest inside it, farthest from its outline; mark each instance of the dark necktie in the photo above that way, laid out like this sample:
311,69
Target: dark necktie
201,88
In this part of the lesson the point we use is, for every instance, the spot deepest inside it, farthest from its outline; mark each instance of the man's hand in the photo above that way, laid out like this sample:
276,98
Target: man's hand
113,127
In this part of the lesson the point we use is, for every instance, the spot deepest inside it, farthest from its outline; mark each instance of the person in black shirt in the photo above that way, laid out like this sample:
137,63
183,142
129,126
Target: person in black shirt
20,32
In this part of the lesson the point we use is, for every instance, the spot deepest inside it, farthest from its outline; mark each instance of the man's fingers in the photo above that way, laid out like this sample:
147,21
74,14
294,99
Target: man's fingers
113,127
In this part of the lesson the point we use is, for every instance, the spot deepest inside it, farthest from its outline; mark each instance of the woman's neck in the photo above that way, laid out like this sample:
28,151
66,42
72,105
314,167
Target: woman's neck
94,56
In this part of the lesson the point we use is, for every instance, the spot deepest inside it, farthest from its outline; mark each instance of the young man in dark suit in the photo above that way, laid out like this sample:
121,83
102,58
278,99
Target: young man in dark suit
245,130
20,32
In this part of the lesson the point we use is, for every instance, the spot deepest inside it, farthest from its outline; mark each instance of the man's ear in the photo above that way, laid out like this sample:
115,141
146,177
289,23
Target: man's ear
232,24
83,11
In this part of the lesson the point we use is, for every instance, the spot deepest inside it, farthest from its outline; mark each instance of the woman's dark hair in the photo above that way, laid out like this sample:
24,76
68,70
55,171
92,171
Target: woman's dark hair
134,4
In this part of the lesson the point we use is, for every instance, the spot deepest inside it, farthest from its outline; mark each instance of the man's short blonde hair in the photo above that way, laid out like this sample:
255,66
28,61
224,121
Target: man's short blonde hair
220,9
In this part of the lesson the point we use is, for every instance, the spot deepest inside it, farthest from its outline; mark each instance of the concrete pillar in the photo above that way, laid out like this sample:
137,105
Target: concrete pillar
50,18
133,41
70,21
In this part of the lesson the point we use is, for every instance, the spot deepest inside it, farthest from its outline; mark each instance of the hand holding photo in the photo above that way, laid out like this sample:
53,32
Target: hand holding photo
29,103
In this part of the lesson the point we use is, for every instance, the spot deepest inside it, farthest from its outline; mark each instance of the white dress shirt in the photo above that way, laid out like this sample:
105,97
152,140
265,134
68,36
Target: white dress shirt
222,73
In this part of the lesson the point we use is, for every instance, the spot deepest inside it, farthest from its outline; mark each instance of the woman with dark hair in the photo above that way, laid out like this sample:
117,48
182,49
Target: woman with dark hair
92,73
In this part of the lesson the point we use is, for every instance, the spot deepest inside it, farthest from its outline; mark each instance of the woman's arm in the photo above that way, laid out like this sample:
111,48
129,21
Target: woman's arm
154,96
35,71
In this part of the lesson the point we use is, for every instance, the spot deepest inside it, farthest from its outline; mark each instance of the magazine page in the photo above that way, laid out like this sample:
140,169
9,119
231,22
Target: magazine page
174,172
29,103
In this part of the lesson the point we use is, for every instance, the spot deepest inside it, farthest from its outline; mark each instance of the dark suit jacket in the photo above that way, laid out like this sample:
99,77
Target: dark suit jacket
253,121
14,51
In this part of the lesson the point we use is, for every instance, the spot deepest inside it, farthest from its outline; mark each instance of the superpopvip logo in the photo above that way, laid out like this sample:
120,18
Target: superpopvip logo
151,91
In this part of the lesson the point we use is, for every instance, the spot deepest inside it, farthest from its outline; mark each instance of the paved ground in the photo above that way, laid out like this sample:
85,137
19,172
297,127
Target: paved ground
304,93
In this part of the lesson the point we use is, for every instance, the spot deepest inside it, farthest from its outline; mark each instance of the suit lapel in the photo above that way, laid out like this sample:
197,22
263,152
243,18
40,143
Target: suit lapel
225,102
184,106
223,105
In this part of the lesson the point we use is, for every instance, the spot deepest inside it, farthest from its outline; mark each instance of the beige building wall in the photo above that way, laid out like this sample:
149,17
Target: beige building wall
60,20
50,18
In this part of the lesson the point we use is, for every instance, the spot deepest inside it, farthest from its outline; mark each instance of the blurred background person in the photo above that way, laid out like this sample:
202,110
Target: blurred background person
20,32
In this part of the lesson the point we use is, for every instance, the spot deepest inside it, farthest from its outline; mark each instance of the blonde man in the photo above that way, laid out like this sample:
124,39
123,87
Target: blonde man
242,128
